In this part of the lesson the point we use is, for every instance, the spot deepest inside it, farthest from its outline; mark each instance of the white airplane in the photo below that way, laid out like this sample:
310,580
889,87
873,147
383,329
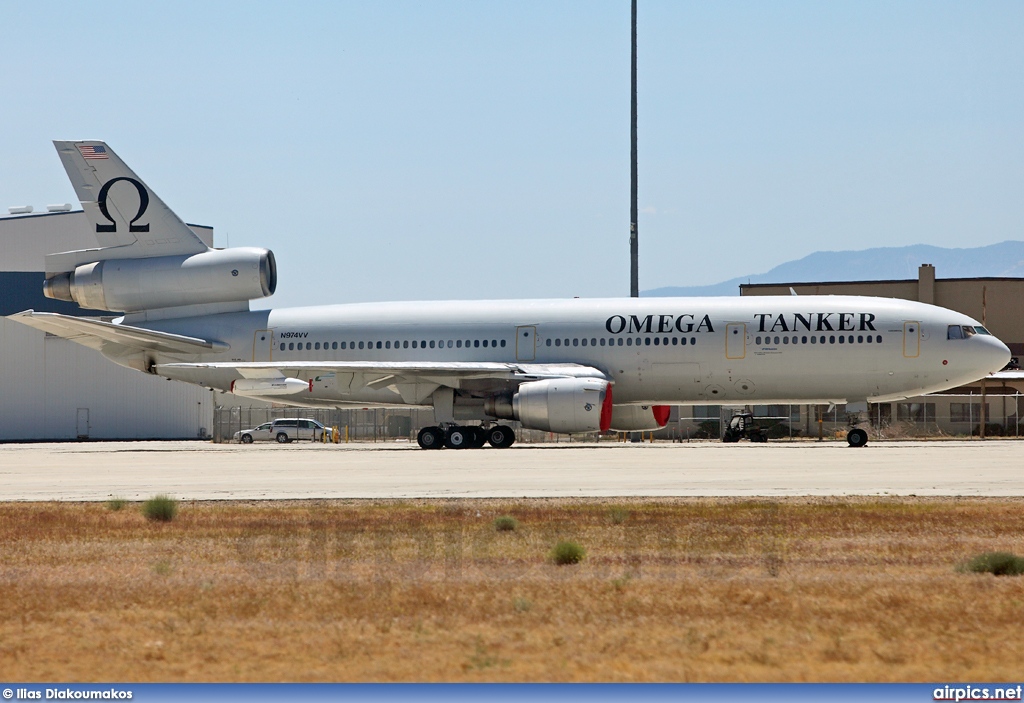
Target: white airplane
563,366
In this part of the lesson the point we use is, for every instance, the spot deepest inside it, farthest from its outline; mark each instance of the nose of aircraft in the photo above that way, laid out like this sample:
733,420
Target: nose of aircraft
991,354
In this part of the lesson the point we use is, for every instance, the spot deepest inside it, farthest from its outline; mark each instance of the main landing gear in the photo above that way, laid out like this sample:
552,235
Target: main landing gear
466,437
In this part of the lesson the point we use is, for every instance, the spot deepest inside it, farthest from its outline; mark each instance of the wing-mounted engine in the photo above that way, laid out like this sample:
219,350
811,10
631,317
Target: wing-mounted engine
132,285
638,418
566,405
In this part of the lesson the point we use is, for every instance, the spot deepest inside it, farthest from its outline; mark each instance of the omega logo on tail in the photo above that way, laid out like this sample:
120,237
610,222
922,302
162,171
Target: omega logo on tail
143,204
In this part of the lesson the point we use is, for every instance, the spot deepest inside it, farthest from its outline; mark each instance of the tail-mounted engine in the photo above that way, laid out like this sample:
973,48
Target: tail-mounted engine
133,285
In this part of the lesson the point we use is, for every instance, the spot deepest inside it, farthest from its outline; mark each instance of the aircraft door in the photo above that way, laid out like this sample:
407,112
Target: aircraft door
736,340
911,339
82,423
263,345
526,343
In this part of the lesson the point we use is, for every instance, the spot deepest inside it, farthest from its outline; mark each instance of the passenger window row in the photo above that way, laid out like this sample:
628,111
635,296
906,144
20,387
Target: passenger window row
843,339
397,344
611,341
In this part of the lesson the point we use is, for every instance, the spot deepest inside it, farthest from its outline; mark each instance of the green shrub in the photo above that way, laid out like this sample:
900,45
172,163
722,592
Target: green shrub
998,563
621,583
160,508
117,504
505,523
618,515
568,553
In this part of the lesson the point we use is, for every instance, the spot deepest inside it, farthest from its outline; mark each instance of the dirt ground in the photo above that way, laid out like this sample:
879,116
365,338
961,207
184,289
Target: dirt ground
669,590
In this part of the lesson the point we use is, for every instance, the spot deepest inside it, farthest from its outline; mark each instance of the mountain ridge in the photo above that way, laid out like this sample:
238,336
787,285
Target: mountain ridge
1002,260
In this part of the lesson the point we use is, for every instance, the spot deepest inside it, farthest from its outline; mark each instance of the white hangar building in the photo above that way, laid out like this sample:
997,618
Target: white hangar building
54,389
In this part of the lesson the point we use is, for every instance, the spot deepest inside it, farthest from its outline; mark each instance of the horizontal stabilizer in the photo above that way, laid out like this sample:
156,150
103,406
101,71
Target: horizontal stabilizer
94,333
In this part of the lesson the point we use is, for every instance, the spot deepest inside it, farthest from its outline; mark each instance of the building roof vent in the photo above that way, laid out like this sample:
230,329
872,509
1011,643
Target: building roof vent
20,209
62,207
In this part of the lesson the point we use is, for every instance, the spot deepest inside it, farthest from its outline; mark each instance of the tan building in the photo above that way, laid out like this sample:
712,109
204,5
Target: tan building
997,302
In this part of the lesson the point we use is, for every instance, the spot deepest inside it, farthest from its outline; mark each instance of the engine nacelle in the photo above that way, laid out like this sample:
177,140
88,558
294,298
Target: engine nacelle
637,418
133,285
566,405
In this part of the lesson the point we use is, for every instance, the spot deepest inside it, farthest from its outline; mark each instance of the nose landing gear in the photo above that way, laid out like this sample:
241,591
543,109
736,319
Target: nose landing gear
857,437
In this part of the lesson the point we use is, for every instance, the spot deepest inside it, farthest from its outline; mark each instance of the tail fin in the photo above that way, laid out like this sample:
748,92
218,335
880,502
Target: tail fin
129,220
150,264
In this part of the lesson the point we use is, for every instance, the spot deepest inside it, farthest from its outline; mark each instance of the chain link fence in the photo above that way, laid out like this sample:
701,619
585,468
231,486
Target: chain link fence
943,415
370,425
935,416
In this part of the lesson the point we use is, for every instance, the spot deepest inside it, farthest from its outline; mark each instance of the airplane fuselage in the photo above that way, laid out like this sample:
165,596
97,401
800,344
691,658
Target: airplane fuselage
655,350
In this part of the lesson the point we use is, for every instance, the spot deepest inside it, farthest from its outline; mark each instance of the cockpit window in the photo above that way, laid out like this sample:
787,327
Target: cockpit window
954,332
981,330
968,331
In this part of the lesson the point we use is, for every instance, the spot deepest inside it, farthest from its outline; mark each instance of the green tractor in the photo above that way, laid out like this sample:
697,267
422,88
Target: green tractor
742,426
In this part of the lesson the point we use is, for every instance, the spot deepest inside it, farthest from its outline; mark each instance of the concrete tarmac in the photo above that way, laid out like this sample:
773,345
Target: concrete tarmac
206,471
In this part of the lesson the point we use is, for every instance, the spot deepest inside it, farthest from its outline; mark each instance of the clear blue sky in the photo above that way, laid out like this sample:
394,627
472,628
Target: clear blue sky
434,150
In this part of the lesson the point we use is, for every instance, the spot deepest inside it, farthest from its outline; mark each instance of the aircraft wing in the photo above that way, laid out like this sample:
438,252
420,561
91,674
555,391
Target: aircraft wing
414,381
96,334
475,369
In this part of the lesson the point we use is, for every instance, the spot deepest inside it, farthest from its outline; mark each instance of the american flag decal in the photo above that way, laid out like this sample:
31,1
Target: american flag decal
93,152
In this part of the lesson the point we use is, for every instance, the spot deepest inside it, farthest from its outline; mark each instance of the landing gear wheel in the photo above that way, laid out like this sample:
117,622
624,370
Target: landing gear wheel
282,438
501,437
857,438
247,439
457,437
477,437
431,438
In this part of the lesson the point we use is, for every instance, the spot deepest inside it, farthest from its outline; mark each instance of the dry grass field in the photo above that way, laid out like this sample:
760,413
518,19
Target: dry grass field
670,590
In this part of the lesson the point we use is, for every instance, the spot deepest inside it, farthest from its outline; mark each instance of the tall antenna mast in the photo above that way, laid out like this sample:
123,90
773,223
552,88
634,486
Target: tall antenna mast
634,247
